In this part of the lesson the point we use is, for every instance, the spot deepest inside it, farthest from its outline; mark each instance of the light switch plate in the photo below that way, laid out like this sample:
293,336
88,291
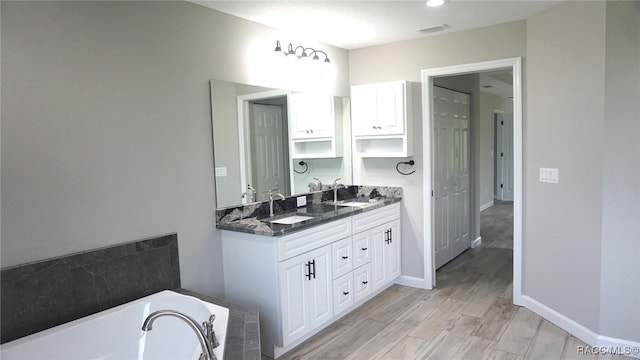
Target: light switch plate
221,171
302,201
549,175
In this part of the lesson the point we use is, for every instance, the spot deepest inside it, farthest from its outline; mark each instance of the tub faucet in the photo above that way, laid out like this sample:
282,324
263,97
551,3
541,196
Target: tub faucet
205,333
336,185
273,195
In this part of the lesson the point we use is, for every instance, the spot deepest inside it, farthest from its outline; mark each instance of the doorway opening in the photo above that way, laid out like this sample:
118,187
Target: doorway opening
429,79
263,134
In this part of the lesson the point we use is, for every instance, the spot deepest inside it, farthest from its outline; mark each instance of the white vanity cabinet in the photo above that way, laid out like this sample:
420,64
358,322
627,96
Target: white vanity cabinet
381,115
315,125
303,281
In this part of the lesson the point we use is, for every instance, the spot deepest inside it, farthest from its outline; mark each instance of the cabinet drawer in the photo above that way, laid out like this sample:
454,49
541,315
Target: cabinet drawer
342,259
342,294
361,249
361,283
371,219
307,240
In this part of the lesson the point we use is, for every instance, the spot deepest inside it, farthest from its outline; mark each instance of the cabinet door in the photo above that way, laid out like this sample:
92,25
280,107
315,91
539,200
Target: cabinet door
341,257
318,288
392,251
310,116
391,109
342,293
378,237
305,292
361,283
361,249
293,279
364,109
386,253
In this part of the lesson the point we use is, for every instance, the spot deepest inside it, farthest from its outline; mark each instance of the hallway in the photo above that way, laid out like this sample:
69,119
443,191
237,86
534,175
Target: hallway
468,316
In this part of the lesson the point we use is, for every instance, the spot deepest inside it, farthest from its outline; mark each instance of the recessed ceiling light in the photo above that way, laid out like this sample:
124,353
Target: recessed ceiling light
435,3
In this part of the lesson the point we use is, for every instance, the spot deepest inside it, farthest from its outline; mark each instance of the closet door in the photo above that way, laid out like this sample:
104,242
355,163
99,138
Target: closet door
451,195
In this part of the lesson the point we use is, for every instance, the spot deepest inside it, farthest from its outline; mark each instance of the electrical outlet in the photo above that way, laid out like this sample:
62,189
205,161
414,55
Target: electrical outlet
302,201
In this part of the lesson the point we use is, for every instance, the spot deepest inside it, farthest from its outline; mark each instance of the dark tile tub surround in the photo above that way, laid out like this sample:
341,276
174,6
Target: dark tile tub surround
247,218
243,329
48,293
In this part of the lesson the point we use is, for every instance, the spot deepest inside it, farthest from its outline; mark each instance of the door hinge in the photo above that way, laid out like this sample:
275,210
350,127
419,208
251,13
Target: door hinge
501,186
501,154
501,122
431,193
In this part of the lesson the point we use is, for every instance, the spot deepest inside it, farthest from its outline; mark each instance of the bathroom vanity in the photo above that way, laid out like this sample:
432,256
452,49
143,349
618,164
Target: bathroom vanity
303,276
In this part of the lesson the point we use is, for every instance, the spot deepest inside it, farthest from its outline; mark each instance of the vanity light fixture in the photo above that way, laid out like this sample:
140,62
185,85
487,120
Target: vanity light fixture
301,52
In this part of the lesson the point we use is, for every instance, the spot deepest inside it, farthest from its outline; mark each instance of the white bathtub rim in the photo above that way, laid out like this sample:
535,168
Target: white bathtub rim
222,318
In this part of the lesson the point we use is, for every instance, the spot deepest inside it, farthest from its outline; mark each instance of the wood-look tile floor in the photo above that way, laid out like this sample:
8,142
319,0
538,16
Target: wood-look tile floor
468,316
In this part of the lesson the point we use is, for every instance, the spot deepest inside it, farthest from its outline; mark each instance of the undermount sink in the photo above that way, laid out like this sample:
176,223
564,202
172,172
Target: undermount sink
294,219
356,204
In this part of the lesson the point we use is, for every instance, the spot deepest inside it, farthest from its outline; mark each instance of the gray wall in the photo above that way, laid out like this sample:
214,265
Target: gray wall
106,127
564,124
404,61
620,277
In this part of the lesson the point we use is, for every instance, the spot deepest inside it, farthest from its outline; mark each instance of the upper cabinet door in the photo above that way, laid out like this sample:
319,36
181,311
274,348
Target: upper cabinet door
378,109
391,103
364,109
311,116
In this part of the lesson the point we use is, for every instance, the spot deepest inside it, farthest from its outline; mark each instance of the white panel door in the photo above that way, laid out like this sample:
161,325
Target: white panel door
269,151
443,167
461,215
451,194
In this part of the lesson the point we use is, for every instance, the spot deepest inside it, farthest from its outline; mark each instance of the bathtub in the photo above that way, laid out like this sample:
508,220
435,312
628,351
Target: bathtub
117,333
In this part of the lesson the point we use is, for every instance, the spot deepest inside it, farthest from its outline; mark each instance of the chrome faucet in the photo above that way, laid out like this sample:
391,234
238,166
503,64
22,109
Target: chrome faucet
250,194
273,196
319,185
205,333
336,185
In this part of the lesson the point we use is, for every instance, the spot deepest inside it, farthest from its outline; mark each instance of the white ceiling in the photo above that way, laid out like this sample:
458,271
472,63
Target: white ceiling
360,23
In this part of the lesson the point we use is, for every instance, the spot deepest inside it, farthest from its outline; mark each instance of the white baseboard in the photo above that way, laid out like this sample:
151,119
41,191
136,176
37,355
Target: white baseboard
477,242
486,205
580,331
410,281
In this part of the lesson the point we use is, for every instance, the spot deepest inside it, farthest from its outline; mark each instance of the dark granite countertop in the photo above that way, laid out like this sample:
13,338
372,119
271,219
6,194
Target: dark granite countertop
320,214
243,329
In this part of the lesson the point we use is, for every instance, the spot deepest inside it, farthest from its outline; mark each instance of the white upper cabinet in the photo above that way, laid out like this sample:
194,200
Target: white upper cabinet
311,116
315,126
381,115
379,109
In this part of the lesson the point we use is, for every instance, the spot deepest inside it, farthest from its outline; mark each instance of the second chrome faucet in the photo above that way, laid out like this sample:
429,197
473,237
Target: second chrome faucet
273,195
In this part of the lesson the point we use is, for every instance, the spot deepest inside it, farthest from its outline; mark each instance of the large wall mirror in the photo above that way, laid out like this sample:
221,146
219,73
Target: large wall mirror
265,138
